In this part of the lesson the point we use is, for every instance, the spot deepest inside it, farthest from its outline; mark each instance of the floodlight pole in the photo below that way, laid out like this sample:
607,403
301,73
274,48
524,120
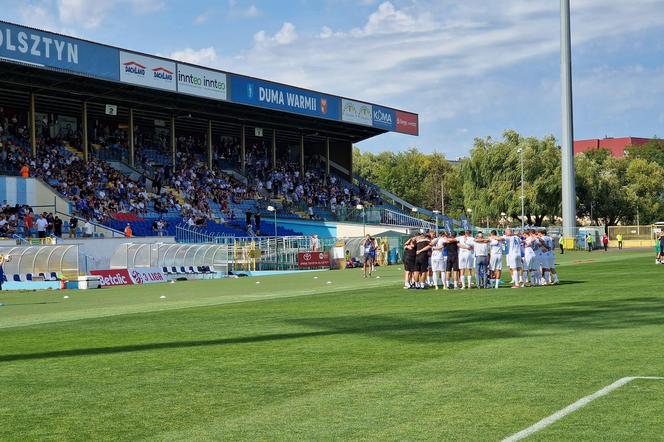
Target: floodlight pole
523,193
567,142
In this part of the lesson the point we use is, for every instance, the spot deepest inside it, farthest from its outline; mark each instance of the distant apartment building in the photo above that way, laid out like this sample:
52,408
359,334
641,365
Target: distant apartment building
616,146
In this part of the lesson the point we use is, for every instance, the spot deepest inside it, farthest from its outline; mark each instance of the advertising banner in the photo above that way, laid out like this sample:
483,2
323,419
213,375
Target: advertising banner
45,49
356,112
147,276
112,278
384,118
407,123
201,82
284,98
313,259
147,71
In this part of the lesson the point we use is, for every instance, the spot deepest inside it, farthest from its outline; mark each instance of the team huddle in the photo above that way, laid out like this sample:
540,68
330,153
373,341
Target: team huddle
451,261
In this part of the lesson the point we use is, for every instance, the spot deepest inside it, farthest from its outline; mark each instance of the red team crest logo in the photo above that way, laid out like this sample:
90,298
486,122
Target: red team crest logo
323,105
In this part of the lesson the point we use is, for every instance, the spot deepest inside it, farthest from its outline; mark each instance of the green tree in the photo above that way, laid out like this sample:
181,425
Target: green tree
652,151
492,178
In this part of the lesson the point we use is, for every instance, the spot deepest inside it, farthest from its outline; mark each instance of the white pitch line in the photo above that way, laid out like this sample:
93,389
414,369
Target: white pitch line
573,407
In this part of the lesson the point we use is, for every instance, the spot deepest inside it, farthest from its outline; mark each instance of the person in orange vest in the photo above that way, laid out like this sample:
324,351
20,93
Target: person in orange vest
128,232
25,171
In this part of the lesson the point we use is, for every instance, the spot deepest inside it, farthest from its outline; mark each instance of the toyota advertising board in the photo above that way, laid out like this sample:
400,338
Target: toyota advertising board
407,123
356,112
201,82
147,71
46,49
313,259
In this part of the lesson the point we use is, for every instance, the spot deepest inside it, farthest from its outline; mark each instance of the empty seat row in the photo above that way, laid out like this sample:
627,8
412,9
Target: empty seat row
190,270
53,276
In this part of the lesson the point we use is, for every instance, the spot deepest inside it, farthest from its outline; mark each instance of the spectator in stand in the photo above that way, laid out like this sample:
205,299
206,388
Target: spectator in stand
128,232
29,221
41,226
57,226
73,224
50,222
247,217
88,229
25,171
257,223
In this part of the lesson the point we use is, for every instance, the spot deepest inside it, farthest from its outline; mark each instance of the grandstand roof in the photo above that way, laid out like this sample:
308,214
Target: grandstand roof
64,70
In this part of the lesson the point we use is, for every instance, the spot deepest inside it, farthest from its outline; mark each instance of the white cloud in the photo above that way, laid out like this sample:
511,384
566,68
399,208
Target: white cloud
286,35
252,11
81,12
326,32
204,56
202,17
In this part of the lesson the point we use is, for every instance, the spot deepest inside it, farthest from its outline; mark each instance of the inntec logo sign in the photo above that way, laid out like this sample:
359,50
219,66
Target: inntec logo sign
147,71
356,112
201,82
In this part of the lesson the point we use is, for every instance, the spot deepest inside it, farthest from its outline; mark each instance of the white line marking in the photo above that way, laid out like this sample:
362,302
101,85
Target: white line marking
573,407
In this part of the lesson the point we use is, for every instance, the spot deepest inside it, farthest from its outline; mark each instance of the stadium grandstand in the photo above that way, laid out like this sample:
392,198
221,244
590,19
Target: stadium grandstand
131,139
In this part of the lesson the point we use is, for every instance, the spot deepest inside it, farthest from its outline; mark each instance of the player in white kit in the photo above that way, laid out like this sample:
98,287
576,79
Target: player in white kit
466,259
549,259
513,245
495,258
530,259
438,261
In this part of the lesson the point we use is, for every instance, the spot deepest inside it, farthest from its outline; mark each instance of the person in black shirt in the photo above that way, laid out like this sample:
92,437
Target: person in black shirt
57,226
247,218
73,224
409,262
452,249
257,222
422,246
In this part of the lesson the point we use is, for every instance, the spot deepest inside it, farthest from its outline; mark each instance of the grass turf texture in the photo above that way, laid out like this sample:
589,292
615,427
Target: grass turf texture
297,358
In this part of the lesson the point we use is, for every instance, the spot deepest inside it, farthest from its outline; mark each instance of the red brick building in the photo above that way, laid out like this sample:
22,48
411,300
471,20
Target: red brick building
616,146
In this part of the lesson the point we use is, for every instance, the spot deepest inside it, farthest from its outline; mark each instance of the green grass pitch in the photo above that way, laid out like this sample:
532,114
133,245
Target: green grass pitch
296,358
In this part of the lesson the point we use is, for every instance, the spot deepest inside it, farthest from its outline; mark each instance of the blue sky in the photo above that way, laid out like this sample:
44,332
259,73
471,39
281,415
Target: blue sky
470,68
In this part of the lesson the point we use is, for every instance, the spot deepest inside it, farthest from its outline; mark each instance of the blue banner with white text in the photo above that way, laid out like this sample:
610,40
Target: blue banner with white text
41,48
270,95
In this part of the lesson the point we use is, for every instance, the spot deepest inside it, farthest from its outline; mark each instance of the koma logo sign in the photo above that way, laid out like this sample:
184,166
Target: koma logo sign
382,117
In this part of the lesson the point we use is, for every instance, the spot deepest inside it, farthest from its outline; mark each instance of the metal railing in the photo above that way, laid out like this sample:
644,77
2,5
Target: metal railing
393,218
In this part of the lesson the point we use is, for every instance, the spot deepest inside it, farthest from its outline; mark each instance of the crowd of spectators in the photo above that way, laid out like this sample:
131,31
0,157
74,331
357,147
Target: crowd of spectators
312,189
98,191
201,186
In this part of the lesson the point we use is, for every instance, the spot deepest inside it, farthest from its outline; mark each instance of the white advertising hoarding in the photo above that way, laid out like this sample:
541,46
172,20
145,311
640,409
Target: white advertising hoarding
356,112
201,82
147,71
